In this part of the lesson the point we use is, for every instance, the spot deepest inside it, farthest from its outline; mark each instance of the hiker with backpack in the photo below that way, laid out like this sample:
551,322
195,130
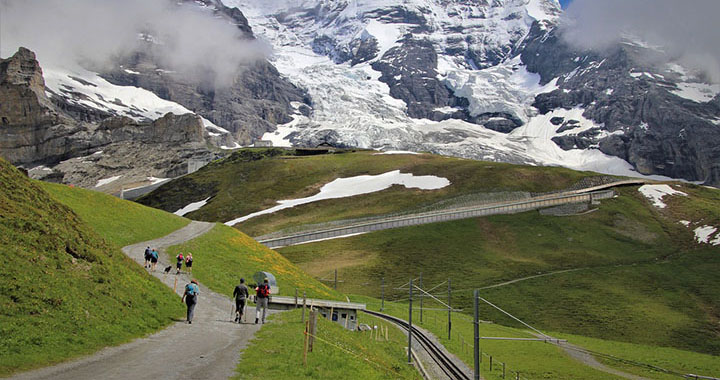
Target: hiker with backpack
153,259
241,294
147,257
261,300
188,262
180,259
190,297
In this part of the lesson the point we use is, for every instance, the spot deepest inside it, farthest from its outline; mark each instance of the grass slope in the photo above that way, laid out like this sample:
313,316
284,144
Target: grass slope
118,221
619,293
538,360
254,179
276,352
66,291
224,255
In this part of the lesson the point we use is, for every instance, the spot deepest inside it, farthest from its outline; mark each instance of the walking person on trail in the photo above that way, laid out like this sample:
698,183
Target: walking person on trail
179,258
154,259
190,297
261,300
241,294
147,257
188,262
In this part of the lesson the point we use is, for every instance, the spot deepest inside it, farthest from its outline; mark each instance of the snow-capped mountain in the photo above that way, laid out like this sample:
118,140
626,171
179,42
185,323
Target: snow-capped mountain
484,79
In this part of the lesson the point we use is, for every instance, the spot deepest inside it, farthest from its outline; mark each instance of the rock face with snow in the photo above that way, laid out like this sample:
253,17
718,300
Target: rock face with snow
483,79
639,115
465,70
255,101
32,129
38,130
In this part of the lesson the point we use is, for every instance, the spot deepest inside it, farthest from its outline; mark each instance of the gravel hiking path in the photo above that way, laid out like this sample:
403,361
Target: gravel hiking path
589,360
206,349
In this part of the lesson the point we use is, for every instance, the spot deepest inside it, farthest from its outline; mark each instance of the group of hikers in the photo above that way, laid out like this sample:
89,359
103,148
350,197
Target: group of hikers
241,295
192,291
151,259
188,262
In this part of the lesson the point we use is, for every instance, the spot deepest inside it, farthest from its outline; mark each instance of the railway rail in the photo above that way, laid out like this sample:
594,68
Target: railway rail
443,361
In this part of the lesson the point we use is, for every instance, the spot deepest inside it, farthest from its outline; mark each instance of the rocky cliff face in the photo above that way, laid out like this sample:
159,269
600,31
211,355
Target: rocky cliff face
640,114
32,130
490,80
253,103
35,130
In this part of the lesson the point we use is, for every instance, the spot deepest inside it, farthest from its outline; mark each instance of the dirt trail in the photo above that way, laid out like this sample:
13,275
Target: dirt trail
207,349
589,360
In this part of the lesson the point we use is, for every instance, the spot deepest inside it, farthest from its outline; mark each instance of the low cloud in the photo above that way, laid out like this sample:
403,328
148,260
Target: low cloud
685,30
186,38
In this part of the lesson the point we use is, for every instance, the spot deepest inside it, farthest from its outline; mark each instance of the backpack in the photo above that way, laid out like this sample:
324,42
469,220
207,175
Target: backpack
263,291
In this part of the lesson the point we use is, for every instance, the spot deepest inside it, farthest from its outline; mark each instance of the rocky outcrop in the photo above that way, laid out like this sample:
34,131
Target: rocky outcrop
410,70
643,120
34,130
31,129
251,104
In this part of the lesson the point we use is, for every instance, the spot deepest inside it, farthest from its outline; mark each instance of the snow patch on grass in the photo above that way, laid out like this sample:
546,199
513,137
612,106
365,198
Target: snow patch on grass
703,234
351,186
192,207
655,193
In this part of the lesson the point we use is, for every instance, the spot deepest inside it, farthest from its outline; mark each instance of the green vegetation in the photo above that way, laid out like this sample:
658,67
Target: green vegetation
66,292
538,360
640,277
224,255
337,353
120,222
253,180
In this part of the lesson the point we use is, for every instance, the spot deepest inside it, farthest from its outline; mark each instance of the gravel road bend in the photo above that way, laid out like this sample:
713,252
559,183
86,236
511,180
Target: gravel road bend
207,349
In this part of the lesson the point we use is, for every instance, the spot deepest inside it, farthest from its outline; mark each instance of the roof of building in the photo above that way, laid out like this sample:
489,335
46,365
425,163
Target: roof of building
318,303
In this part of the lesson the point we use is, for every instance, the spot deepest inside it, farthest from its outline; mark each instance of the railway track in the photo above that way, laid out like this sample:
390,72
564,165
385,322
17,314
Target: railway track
444,362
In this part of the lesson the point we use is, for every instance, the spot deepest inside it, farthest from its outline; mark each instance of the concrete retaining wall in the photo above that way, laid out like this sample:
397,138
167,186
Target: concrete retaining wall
439,216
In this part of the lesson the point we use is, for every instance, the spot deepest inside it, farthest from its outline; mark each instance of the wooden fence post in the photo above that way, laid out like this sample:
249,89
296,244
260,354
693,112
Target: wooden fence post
305,345
313,329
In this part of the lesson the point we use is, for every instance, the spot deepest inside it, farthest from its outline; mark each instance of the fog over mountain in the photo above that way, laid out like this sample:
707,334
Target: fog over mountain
684,30
184,38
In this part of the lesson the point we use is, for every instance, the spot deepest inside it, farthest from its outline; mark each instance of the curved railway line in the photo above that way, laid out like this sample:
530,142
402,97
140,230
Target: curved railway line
443,361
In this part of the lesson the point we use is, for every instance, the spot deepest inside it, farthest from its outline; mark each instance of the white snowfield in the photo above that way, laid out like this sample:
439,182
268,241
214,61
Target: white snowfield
133,102
352,102
351,186
704,233
105,181
192,207
655,193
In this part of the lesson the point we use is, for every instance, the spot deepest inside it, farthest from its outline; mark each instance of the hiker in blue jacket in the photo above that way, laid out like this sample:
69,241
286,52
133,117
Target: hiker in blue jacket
153,259
190,297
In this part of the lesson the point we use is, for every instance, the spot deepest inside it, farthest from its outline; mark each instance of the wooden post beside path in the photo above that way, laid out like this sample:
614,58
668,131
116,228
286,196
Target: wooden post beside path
305,344
313,329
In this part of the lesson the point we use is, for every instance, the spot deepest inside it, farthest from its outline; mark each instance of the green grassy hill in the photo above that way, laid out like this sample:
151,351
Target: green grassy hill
66,291
255,179
640,276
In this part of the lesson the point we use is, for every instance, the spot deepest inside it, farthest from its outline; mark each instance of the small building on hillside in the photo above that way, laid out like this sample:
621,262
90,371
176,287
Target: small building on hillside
263,144
343,313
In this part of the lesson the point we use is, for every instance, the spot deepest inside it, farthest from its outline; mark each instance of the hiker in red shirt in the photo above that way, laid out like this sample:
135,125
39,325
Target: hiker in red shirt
261,300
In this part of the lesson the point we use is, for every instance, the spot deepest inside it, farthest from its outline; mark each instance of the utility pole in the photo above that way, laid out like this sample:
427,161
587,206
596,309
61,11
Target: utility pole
421,298
410,326
449,313
382,290
476,328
